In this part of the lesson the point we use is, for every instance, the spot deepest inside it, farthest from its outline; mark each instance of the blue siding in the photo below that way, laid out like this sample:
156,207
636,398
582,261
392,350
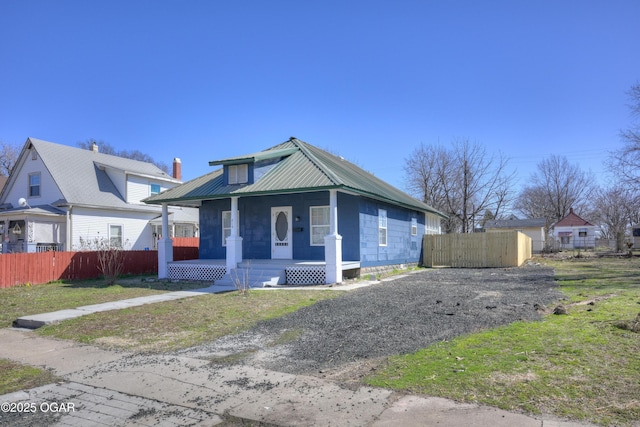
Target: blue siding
401,247
211,228
348,225
255,225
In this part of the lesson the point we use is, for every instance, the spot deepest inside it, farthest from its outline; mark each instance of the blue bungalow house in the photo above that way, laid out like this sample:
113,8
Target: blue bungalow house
311,210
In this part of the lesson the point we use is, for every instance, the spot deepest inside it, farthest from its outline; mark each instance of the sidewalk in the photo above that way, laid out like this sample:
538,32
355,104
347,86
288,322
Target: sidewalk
39,320
123,389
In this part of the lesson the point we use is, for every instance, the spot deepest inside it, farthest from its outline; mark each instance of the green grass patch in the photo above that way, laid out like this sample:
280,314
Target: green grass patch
182,323
35,299
14,377
579,366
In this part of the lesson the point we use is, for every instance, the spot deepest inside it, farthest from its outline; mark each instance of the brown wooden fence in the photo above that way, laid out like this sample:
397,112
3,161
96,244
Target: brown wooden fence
185,248
43,267
477,250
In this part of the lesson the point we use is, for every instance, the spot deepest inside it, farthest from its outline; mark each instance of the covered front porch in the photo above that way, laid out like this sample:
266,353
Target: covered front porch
277,263
257,272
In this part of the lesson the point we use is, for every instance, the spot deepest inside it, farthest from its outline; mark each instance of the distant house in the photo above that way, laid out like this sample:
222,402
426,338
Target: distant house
60,197
532,227
573,232
294,201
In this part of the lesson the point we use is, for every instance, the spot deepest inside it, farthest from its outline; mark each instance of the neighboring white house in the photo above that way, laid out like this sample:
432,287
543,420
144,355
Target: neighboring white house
60,197
532,227
573,232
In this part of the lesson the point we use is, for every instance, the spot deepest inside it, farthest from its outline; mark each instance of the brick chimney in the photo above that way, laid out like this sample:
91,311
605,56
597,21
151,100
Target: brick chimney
177,169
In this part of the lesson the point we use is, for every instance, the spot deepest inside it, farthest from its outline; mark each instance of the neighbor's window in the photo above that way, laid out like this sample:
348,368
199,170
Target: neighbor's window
564,240
226,226
414,226
155,189
382,227
115,236
34,185
238,174
320,224
582,232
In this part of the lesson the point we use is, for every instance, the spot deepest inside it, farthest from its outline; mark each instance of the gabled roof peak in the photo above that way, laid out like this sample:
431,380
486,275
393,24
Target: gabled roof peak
303,168
572,220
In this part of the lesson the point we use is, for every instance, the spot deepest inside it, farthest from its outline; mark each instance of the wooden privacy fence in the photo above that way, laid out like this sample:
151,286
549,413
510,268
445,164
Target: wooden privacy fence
185,248
43,267
477,250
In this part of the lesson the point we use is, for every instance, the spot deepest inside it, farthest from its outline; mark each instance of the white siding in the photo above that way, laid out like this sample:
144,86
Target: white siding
139,188
575,241
49,232
90,224
432,224
49,191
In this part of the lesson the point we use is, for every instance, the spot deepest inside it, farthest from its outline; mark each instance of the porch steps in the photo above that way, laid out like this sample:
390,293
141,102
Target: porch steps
256,275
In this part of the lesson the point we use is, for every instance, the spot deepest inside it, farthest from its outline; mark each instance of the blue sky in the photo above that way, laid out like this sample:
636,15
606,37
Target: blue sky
369,80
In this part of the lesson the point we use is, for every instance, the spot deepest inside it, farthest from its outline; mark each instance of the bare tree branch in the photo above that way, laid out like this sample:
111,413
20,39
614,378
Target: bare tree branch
8,157
462,181
555,188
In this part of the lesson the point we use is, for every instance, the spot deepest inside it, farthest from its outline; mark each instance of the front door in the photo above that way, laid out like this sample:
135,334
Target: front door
281,243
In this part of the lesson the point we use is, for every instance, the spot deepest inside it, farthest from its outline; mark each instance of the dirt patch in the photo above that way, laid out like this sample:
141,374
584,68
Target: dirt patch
346,337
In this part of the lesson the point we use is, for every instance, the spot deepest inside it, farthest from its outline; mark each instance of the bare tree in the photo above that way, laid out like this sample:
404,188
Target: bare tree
107,148
625,162
424,170
555,188
617,208
461,181
8,157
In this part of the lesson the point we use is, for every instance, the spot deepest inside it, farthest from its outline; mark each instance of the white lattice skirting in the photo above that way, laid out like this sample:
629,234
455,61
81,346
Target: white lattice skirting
305,275
200,272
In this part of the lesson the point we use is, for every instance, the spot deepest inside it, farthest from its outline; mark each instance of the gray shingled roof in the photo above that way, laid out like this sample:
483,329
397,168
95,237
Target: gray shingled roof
81,177
303,168
515,223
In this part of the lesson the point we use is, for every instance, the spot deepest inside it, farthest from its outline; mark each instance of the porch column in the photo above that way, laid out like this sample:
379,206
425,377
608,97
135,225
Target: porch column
234,241
333,243
165,245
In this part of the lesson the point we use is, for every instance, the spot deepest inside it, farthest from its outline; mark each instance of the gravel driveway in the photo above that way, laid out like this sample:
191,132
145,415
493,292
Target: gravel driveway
393,317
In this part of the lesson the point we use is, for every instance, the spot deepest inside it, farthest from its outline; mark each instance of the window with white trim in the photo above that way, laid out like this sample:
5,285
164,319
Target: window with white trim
226,226
238,174
155,189
115,235
382,227
414,226
34,184
320,224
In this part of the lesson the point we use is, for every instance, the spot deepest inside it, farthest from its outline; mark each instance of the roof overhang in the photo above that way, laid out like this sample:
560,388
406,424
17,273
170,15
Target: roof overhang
41,211
341,188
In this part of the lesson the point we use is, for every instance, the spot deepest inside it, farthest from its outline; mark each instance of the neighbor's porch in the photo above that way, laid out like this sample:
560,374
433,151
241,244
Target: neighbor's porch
258,272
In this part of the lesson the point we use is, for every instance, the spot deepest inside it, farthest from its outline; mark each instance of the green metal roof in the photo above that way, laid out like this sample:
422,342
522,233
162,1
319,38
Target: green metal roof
304,168
256,157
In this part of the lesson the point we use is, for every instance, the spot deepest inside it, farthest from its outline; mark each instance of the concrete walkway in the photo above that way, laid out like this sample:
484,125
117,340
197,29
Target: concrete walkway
39,320
114,388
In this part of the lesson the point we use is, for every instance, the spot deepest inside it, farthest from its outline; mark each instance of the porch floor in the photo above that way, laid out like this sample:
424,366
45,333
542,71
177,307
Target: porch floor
285,271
